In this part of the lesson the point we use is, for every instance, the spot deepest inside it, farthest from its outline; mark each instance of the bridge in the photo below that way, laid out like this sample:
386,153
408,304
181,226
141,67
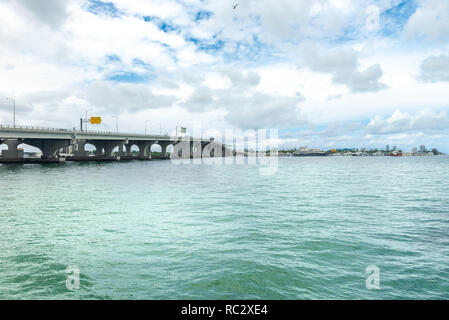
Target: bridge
59,145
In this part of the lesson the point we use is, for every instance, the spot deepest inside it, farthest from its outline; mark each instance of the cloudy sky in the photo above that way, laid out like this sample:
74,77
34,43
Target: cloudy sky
326,73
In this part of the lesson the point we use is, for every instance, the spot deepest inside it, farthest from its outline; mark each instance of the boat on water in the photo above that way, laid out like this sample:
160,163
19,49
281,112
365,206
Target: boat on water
310,154
395,154
305,152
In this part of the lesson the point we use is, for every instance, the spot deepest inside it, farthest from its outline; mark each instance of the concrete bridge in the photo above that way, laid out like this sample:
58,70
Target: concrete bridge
109,146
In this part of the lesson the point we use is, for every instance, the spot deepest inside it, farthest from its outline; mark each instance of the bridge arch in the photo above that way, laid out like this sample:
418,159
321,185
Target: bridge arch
160,148
29,148
3,145
90,148
99,148
15,148
119,150
166,148
10,148
169,149
212,150
155,148
132,148
49,148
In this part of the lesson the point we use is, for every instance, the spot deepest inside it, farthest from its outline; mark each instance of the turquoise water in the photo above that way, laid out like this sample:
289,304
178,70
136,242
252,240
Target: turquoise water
155,230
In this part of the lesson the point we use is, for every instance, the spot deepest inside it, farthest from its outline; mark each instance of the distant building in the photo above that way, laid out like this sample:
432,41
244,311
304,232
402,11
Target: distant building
422,148
387,148
414,150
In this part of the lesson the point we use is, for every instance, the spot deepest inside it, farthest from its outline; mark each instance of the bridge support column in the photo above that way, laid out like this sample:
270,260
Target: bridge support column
195,149
143,149
80,149
164,147
128,150
181,150
50,148
98,147
12,152
205,153
121,150
212,149
217,150
109,147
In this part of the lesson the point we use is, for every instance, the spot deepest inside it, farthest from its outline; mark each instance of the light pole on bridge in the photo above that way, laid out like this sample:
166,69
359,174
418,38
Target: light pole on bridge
146,121
116,123
86,121
13,109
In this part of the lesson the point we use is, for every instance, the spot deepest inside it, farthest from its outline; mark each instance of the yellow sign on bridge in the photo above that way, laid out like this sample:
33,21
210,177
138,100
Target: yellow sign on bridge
95,120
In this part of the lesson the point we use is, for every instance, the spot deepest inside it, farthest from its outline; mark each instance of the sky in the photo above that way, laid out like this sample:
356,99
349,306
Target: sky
325,73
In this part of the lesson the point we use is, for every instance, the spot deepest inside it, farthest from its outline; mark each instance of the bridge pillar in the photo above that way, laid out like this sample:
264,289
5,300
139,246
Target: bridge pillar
212,149
223,151
109,147
121,149
164,150
218,150
50,148
80,149
195,149
99,145
128,150
12,152
143,149
204,154
164,146
181,150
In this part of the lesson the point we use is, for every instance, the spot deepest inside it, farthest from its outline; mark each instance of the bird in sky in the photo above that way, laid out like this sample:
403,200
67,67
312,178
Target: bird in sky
235,6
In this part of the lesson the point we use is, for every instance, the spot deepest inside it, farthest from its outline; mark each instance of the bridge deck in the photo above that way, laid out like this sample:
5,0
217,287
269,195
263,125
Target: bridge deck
27,132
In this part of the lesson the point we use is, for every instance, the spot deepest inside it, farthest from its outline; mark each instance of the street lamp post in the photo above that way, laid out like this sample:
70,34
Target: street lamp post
116,123
86,120
13,109
146,121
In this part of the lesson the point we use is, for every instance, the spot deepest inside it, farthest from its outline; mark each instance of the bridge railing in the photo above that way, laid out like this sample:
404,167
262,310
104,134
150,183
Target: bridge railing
49,129
60,130
20,128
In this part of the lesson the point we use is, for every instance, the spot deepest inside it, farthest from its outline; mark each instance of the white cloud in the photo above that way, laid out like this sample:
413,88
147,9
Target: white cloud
245,106
51,12
264,111
423,121
435,68
288,20
124,97
430,21
201,99
343,65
